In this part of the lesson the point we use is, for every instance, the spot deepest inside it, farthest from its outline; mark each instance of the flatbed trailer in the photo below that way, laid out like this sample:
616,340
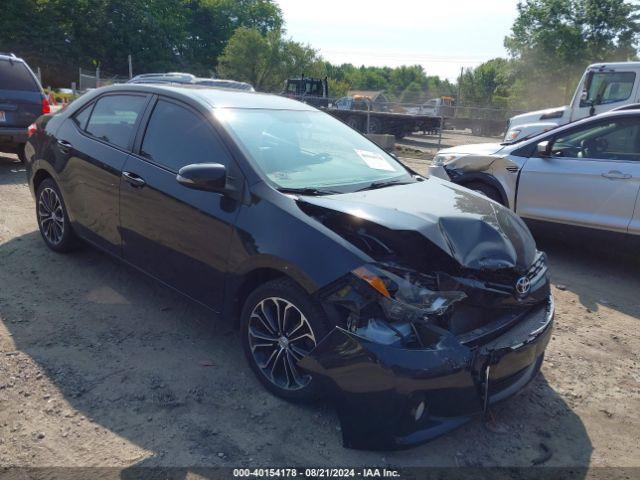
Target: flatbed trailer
478,126
397,124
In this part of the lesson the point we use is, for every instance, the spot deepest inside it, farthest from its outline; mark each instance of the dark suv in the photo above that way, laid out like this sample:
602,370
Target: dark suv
413,302
22,101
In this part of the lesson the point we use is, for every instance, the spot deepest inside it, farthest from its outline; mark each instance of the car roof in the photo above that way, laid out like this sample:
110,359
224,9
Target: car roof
577,123
613,65
213,97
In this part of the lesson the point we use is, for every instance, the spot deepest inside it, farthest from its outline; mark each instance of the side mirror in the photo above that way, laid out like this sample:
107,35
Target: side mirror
544,148
210,177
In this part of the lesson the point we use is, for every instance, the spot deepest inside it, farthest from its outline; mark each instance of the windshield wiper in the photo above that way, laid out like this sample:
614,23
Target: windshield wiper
382,184
307,191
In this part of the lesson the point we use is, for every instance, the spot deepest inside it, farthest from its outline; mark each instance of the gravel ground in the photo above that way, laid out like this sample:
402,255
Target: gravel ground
101,366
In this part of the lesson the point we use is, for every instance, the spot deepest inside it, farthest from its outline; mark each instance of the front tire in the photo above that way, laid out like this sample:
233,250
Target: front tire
53,220
281,324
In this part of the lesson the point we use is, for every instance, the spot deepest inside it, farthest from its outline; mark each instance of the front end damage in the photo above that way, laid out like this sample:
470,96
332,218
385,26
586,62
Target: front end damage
423,341
397,384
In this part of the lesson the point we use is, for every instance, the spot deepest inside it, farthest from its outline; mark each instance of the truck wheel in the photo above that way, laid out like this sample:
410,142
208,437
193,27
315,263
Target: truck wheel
486,190
354,122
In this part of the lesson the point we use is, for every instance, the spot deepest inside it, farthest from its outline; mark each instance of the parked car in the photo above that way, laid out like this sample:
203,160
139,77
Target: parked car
189,79
584,174
412,302
603,87
223,83
22,101
169,77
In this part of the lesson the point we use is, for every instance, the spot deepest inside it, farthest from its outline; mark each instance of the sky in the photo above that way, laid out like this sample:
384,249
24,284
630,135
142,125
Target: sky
442,36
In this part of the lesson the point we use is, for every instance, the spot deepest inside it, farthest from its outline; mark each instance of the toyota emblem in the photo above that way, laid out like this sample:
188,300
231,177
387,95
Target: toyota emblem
523,285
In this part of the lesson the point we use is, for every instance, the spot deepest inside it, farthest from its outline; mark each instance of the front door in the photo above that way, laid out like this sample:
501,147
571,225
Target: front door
591,179
179,235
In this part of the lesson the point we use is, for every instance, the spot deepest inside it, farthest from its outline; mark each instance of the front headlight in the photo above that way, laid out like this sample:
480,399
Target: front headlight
440,159
512,135
407,296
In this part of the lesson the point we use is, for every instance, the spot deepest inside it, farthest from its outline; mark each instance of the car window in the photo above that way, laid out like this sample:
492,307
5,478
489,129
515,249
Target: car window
309,149
609,87
80,119
114,118
16,76
177,136
617,139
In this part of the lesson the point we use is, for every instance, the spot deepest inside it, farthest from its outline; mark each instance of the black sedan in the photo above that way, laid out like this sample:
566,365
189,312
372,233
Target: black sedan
411,302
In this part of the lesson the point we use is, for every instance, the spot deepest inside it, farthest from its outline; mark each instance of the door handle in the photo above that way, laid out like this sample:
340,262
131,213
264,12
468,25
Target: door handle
616,175
134,180
64,146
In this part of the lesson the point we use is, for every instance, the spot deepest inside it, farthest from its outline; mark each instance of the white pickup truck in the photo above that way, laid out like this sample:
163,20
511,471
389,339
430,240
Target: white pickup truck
603,87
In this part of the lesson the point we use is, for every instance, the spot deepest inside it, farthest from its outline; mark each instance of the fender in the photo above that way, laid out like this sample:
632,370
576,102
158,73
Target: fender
464,178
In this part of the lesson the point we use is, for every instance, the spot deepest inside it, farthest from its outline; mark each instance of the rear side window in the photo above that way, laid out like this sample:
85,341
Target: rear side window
177,136
114,118
80,119
16,76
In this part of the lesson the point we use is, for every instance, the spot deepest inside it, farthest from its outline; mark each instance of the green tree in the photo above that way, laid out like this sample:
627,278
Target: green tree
161,35
267,60
555,39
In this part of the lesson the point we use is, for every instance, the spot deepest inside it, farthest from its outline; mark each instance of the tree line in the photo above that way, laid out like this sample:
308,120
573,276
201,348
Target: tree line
550,44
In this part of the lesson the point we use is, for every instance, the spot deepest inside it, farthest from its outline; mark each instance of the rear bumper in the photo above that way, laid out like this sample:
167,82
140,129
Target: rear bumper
379,389
10,138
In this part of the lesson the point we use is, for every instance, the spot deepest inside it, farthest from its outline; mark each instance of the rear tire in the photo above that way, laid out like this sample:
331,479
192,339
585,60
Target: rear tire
53,220
280,324
486,190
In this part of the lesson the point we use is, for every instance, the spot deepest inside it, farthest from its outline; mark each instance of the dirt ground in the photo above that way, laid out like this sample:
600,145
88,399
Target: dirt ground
101,366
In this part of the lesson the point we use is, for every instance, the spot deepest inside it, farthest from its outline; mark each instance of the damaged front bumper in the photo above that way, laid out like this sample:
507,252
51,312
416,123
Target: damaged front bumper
389,397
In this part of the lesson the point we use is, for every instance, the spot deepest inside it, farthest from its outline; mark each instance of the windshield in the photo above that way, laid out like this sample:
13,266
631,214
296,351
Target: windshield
309,150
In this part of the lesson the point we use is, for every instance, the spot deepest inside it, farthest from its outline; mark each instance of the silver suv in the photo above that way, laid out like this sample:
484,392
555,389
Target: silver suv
585,174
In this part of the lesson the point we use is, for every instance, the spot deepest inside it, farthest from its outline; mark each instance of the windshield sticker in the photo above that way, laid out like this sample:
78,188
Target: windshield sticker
375,160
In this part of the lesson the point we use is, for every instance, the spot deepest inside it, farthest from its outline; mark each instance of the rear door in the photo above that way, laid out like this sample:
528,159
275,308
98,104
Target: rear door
92,147
592,178
179,235
20,95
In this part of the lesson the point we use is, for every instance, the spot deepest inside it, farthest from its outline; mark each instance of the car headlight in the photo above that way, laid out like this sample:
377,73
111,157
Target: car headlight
512,134
407,296
440,159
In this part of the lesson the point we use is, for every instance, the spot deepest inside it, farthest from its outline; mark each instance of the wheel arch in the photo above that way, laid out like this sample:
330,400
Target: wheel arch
39,176
466,178
241,284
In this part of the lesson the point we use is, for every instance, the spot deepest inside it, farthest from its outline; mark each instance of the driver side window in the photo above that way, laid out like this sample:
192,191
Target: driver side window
616,139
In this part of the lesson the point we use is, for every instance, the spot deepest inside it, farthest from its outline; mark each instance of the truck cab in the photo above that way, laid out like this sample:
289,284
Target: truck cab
603,87
314,91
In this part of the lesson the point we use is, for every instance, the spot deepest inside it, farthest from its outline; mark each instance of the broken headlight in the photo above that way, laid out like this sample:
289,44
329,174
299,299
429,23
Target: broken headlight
407,296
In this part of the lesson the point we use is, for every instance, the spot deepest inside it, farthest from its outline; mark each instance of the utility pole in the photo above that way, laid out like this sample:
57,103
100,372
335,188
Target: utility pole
130,67
459,85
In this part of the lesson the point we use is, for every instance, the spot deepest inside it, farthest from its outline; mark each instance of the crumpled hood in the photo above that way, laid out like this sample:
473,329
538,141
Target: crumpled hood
479,149
476,232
